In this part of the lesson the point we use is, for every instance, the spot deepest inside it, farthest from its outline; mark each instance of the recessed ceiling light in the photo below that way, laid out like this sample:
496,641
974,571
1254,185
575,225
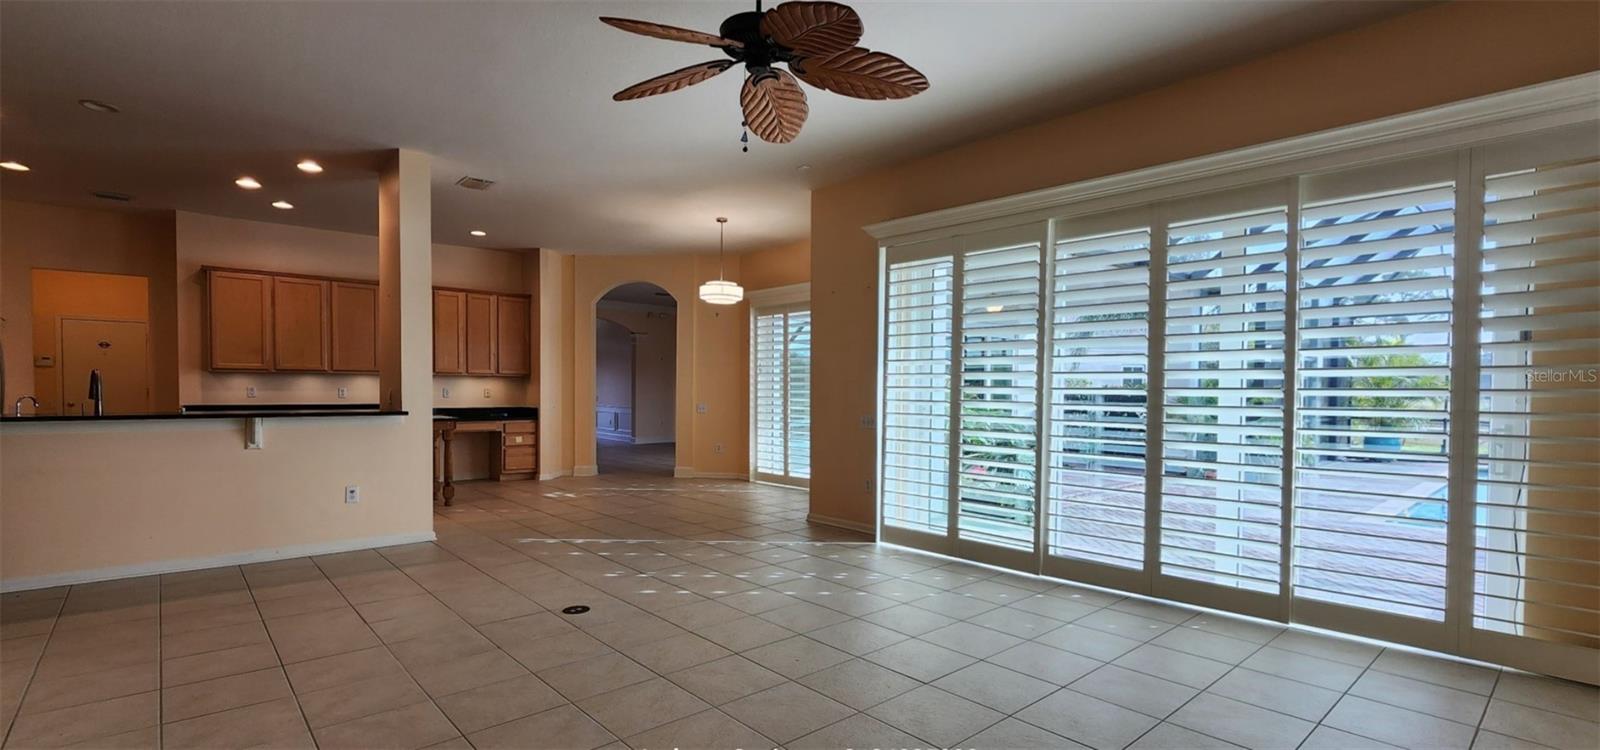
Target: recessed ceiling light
285,205
95,105
309,167
15,166
248,183
478,233
804,167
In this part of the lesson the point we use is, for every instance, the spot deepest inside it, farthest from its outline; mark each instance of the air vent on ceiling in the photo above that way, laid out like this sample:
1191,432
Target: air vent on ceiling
474,183
110,196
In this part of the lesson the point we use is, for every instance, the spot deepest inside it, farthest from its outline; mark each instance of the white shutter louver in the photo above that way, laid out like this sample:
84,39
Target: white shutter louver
769,394
1100,306
1371,459
920,298
1222,416
1537,520
797,397
999,395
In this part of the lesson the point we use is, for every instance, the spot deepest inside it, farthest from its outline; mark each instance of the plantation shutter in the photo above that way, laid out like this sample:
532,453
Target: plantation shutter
1099,366
770,394
797,397
1371,458
918,318
1537,521
998,461
1222,415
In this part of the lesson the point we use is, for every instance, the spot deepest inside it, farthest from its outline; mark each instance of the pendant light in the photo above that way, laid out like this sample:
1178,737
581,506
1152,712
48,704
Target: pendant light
721,291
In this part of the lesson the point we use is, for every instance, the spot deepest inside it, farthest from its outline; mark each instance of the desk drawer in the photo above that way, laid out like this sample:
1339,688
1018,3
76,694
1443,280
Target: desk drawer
521,425
514,439
517,459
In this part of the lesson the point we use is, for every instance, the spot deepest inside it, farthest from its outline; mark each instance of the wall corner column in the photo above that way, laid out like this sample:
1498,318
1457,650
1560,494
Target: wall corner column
405,279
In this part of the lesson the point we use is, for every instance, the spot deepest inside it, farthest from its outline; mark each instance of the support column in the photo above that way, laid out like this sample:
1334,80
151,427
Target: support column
405,281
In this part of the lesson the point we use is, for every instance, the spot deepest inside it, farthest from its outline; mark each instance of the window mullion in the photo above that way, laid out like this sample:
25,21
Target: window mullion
1291,366
1155,396
1045,375
957,379
1464,391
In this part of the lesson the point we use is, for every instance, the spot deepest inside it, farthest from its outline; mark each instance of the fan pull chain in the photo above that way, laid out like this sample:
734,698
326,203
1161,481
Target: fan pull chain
744,137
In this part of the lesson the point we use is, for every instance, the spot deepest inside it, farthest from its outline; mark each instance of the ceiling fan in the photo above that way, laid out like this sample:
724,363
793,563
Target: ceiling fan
817,40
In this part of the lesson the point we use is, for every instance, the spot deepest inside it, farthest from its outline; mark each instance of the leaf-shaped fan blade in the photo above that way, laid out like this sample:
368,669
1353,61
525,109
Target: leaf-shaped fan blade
670,33
774,106
681,78
815,29
861,73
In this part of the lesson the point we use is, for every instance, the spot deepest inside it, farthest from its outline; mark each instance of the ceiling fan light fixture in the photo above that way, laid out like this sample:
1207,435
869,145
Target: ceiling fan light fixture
720,291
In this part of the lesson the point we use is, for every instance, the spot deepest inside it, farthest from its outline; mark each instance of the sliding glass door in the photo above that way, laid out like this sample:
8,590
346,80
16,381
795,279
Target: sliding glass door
780,394
1363,399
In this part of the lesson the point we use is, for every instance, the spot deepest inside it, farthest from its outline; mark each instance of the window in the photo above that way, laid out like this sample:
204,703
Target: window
780,394
1365,398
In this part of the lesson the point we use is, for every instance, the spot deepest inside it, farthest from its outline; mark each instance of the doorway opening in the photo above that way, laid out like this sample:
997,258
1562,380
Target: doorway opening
636,354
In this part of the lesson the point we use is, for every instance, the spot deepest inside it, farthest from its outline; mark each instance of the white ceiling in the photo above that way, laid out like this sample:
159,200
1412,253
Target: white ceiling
519,92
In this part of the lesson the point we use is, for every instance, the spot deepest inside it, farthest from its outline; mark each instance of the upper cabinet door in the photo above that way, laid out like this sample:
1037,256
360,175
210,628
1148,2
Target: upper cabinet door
512,320
449,332
239,320
480,334
355,326
300,324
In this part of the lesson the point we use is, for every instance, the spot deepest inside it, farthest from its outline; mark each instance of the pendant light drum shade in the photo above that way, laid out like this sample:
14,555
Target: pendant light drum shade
721,291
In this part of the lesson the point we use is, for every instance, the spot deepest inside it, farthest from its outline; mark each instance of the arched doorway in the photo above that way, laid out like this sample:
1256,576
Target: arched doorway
635,380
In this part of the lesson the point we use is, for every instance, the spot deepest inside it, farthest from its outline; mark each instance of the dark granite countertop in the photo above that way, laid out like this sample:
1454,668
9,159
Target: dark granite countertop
222,411
485,413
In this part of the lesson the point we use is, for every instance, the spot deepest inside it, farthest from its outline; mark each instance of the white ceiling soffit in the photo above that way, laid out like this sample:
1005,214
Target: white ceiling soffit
520,93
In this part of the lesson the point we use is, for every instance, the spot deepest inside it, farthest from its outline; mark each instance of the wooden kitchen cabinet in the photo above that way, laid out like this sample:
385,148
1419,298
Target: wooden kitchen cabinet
511,335
354,330
299,324
449,331
239,320
480,334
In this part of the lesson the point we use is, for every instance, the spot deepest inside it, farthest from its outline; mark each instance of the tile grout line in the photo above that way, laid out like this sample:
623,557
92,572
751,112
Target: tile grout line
33,672
276,654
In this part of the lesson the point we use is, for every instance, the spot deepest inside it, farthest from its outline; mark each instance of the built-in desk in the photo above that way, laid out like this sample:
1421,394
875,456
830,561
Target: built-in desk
517,457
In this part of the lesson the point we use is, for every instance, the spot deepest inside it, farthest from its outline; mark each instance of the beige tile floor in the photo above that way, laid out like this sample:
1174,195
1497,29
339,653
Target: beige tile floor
717,618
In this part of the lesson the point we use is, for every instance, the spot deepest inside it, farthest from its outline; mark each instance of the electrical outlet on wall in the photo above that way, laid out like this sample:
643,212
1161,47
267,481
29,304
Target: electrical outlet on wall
488,393
352,493
444,392
699,408
249,391
344,392
717,448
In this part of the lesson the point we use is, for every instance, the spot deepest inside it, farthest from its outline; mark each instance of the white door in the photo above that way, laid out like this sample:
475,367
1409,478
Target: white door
119,349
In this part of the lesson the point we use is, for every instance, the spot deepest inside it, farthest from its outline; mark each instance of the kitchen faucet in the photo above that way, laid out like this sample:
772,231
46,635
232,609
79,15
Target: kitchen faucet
97,393
18,406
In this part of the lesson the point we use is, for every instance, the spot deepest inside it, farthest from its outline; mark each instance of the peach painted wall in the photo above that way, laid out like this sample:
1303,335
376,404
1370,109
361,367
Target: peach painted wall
1425,58
778,266
78,294
710,364
36,235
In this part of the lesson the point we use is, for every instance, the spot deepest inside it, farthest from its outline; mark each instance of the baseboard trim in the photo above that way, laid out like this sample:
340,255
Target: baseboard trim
586,471
267,554
556,474
683,472
687,472
865,528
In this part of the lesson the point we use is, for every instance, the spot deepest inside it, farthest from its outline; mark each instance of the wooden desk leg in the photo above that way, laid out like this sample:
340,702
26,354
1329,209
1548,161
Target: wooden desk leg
448,489
438,484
